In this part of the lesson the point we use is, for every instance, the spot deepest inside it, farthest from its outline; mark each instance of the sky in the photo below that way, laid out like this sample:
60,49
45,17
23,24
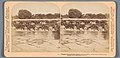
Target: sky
36,8
86,8
45,8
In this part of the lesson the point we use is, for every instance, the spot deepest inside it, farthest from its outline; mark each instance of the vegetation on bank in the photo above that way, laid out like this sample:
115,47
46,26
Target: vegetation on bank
72,13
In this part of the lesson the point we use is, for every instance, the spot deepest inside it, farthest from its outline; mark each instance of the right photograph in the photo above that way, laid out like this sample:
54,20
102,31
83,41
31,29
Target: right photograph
84,27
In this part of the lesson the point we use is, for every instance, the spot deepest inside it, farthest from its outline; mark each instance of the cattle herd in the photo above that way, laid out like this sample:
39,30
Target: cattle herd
36,25
91,25
45,25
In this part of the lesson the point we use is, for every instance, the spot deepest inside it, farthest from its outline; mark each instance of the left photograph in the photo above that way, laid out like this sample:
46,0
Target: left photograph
35,27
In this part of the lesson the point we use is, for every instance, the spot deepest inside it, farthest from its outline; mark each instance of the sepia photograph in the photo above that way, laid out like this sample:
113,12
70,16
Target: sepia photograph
85,27
37,28
60,29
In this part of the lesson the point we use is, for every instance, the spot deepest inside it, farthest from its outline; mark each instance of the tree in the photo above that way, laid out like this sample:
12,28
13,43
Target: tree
24,14
74,13
90,16
50,16
56,15
65,16
101,16
38,16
